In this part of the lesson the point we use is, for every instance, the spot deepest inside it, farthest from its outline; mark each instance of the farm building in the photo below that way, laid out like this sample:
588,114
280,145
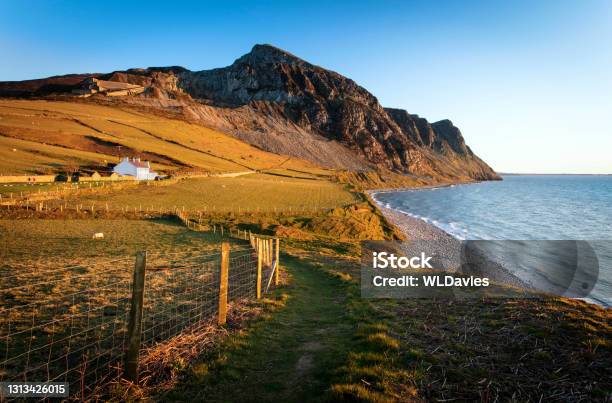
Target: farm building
141,170
96,177
92,85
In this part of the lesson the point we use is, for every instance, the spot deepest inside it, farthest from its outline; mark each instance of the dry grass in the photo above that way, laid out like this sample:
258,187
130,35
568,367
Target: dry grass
64,297
487,350
382,180
163,365
50,242
48,136
532,350
19,157
491,349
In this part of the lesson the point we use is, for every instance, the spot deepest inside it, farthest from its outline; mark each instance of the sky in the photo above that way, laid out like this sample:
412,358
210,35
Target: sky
529,83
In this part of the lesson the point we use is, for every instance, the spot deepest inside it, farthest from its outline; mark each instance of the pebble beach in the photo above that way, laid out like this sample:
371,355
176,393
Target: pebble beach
416,229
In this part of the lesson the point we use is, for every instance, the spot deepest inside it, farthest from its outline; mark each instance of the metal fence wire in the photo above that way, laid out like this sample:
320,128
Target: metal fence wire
71,324
66,325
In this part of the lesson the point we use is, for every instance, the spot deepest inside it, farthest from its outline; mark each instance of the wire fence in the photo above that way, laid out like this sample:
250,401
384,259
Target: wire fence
34,206
84,324
86,197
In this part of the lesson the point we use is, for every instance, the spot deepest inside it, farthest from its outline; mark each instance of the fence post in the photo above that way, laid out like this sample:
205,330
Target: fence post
270,250
263,253
276,276
223,277
135,319
259,262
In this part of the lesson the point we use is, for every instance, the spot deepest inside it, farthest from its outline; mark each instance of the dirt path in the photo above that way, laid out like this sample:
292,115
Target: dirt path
290,357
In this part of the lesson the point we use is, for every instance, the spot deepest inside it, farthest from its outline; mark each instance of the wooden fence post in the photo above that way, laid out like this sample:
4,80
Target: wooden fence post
223,277
135,319
259,262
276,275
270,250
263,253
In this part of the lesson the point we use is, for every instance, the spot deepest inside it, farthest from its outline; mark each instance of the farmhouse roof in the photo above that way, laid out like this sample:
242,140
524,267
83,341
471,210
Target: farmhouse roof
137,163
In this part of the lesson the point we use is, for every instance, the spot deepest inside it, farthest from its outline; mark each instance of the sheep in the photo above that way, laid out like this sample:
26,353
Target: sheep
98,235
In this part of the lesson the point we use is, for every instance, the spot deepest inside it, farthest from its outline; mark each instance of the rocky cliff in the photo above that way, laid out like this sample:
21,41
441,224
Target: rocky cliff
330,105
284,104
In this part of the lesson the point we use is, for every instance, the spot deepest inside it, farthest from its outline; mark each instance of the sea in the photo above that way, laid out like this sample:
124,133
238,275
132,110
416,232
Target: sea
522,207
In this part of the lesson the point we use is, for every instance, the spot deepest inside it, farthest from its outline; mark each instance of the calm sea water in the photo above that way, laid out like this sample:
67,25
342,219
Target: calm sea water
524,207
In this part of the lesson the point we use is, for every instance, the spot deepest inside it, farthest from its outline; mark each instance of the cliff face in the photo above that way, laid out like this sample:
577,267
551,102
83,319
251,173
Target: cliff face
332,106
286,105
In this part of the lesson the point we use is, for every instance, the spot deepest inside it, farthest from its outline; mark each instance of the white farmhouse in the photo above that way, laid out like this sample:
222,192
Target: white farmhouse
141,170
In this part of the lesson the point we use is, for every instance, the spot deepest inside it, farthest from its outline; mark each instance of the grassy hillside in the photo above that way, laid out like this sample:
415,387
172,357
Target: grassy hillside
48,136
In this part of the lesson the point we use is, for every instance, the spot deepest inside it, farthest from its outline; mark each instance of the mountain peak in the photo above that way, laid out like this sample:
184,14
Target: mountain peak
286,105
266,54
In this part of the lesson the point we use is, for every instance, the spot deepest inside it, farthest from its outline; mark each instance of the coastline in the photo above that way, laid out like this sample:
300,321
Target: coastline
411,227
371,192
416,229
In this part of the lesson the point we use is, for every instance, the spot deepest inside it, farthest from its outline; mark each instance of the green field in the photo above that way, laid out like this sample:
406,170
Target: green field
53,241
64,297
255,193
23,189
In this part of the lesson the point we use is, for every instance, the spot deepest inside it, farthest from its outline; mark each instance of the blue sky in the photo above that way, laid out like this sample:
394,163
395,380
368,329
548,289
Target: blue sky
529,83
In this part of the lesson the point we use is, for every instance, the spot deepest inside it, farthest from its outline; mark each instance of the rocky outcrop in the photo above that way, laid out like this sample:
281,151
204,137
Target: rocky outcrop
286,105
332,106
43,86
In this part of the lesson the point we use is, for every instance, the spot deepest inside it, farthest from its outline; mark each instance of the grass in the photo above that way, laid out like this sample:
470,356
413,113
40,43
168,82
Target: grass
64,295
402,350
22,157
19,189
556,349
317,339
254,193
50,135
288,355
52,241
